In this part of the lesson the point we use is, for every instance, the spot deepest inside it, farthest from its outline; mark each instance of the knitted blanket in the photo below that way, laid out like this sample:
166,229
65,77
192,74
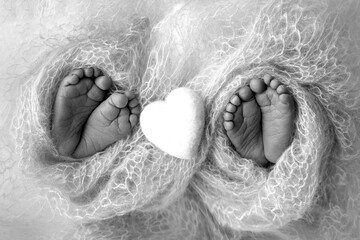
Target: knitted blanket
133,190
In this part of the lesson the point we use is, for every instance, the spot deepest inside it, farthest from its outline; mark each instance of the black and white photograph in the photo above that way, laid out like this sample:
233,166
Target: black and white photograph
180,120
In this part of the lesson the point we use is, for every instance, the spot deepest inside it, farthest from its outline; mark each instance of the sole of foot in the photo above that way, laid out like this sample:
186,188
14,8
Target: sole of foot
242,122
111,121
278,115
79,94
259,120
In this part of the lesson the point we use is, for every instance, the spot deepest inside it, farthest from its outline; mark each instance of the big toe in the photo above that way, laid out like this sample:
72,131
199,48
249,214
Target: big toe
99,89
103,82
110,108
257,85
246,94
249,105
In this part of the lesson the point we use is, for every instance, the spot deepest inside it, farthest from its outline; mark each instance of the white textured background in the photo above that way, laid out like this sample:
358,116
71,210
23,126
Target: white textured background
27,30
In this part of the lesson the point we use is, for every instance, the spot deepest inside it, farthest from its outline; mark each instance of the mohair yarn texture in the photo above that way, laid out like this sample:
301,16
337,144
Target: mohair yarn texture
134,190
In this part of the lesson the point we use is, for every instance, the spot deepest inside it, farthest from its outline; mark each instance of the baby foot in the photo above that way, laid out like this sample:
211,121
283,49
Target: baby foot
242,122
278,114
78,95
112,120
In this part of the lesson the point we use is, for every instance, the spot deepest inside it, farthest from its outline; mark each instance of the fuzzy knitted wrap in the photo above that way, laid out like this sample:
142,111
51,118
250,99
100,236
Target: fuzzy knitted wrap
133,190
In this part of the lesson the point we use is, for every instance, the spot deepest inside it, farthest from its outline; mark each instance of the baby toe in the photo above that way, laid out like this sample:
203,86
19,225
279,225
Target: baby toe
246,94
97,72
228,116
133,120
130,95
72,79
119,100
274,84
133,103
286,99
257,85
235,100
124,112
230,108
78,72
135,110
89,72
103,82
282,89
267,79
228,125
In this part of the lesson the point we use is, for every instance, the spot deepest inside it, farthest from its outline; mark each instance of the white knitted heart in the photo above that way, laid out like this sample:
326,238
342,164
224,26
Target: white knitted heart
176,124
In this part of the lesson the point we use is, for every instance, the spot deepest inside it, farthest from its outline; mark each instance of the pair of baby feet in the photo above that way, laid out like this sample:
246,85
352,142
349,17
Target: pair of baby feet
86,120
258,119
